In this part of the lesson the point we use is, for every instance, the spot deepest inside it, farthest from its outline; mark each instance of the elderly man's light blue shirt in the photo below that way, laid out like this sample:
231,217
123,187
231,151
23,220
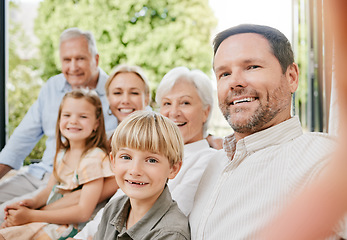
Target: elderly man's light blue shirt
41,120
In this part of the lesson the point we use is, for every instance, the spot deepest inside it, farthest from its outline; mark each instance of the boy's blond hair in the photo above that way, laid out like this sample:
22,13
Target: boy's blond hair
152,132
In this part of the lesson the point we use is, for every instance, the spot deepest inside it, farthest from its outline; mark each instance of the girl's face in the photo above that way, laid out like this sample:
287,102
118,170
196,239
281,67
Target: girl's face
77,120
126,95
142,175
184,107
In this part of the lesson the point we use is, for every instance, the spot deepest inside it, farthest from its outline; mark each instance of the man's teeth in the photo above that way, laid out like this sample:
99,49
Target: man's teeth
136,183
250,99
123,110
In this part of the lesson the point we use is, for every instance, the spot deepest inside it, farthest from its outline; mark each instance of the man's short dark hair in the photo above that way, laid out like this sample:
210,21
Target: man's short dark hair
279,43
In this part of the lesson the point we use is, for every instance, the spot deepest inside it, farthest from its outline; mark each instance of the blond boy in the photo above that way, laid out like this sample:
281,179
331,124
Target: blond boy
147,150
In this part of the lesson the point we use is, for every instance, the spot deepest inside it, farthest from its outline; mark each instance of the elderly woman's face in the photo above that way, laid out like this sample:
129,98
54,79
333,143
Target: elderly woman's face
126,95
183,106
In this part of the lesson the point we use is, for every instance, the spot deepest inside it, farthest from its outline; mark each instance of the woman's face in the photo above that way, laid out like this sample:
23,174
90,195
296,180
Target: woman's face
126,95
183,105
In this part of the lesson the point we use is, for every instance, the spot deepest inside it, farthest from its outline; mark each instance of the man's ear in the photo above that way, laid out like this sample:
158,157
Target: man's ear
292,75
97,59
174,170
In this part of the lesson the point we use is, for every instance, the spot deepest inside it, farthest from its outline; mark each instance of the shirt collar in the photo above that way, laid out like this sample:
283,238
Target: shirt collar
275,135
151,218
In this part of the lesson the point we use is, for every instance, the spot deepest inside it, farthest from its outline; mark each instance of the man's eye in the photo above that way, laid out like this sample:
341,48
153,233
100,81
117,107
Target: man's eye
253,67
224,75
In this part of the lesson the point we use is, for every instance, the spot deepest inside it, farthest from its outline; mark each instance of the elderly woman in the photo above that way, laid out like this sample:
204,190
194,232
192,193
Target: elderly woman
184,96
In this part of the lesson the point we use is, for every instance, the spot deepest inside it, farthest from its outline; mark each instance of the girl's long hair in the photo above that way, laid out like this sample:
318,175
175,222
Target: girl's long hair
96,139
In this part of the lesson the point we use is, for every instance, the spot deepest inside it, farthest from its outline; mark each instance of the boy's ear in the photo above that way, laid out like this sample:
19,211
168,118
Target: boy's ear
174,170
112,162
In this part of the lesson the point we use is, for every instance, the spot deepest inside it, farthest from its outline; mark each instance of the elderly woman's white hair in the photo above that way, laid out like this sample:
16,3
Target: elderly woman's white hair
198,78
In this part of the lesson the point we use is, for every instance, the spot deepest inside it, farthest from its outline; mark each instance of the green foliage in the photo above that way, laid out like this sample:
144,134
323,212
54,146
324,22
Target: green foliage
302,58
23,84
154,34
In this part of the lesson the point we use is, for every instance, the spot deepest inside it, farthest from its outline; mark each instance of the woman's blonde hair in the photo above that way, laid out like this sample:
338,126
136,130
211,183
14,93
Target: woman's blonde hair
123,68
152,132
96,139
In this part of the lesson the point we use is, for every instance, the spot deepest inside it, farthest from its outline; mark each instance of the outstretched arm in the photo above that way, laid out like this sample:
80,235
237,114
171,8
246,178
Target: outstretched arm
36,202
318,209
80,212
109,189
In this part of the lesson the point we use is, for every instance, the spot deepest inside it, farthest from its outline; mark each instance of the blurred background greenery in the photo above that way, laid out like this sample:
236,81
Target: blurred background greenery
159,35
156,35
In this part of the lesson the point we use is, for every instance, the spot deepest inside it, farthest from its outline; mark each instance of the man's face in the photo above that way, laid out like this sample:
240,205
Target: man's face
79,67
253,92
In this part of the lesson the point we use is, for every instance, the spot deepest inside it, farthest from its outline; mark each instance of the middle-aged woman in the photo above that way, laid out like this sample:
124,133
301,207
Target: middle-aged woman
127,91
190,108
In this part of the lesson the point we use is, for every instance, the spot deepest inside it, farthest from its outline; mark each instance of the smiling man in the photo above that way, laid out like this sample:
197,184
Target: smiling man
268,159
79,60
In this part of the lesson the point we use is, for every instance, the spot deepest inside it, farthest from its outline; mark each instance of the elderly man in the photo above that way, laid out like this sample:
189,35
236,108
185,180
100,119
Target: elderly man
268,159
79,60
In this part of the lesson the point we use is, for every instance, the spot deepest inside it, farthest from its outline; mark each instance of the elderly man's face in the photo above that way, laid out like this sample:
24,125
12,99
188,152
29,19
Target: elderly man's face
79,67
253,92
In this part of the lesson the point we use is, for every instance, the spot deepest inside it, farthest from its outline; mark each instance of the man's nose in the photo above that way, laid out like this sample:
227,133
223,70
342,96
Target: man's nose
237,80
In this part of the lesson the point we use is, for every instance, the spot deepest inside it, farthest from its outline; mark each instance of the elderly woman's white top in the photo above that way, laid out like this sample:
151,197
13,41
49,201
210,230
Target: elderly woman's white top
183,187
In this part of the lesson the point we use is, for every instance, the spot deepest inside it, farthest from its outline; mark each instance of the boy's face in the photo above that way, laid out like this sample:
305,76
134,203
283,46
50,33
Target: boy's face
142,175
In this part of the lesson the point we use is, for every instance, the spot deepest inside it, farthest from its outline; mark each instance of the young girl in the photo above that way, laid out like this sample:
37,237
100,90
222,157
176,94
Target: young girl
80,162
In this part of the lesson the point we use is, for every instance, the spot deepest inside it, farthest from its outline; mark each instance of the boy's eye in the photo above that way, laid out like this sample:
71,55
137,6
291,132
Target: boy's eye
66,115
116,93
83,116
152,160
125,157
